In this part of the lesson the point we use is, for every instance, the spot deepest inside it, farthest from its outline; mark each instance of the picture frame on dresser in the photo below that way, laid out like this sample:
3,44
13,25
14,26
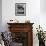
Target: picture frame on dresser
20,9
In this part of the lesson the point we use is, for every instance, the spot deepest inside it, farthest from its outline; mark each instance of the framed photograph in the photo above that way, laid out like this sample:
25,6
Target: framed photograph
20,9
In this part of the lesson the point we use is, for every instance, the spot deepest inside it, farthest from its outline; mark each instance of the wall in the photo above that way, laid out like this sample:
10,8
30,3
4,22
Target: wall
43,6
43,14
0,15
33,13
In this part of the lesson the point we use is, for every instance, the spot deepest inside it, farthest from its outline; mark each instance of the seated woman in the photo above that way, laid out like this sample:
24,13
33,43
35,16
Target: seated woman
6,36
1,41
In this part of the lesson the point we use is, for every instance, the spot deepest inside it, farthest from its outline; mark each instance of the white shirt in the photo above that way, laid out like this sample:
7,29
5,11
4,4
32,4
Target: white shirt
0,45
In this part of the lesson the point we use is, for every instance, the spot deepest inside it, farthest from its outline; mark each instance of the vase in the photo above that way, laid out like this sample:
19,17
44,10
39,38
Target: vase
41,43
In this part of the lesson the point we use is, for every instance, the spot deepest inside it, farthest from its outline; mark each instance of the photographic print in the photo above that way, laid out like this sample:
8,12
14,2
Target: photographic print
20,9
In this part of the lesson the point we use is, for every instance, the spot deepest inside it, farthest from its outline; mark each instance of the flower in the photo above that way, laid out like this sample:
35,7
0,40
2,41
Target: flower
40,33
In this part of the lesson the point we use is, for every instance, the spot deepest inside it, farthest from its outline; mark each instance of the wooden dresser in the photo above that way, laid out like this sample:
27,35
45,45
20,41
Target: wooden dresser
22,33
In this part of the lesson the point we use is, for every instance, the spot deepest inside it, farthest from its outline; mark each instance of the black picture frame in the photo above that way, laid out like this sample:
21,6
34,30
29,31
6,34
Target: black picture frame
20,9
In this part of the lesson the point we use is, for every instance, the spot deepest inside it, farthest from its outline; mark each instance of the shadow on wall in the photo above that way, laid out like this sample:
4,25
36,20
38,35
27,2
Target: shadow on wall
0,15
43,6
